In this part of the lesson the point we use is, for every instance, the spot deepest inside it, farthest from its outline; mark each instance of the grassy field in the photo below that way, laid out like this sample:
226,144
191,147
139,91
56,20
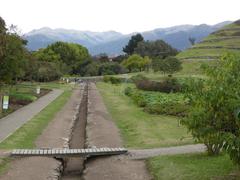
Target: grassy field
227,37
191,166
190,68
25,136
140,129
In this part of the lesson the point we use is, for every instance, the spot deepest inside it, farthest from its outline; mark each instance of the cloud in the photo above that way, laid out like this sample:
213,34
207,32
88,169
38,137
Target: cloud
120,15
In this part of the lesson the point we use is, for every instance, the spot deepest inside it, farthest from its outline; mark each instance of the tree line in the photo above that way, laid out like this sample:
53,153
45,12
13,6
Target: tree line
61,58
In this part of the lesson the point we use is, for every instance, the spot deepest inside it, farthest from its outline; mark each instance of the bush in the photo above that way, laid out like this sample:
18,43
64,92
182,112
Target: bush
113,80
139,99
168,85
159,103
106,79
23,96
110,68
169,108
128,91
138,77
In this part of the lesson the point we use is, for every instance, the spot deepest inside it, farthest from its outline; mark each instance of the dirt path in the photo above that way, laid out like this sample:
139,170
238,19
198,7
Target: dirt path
75,165
55,135
102,132
15,120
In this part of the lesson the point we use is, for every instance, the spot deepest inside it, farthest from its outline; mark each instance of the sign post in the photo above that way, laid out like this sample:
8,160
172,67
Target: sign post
38,90
5,102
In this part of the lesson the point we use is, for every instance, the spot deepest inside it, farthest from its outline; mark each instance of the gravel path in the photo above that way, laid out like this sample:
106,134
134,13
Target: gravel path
54,136
15,120
147,153
102,132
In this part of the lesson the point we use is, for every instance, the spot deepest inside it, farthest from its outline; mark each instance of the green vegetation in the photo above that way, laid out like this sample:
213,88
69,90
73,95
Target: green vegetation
159,103
214,116
4,163
136,63
154,49
215,45
112,79
138,128
191,166
132,44
25,136
22,96
168,65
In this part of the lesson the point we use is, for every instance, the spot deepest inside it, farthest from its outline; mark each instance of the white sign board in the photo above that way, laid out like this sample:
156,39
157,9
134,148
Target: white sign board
5,102
38,90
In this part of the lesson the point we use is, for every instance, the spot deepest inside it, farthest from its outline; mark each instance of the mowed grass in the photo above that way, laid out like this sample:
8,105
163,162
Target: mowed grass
191,166
138,128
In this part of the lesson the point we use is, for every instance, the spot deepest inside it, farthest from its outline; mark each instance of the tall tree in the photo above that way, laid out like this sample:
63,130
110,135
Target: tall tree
132,44
2,52
12,56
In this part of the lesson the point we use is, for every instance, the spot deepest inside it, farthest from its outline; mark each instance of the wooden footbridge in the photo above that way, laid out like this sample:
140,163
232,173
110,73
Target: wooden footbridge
64,153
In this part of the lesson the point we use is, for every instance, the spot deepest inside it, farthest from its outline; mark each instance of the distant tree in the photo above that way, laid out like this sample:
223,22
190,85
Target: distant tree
102,58
46,54
136,63
132,44
192,40
92,69
154,49
71,54
168,65
83,67
119,58
110,68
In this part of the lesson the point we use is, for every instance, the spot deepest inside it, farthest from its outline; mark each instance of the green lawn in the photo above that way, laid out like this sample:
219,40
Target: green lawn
190,68
191,166
138,128
25,136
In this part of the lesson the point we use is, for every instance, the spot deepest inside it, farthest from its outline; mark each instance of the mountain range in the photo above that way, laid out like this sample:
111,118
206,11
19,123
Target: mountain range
112,42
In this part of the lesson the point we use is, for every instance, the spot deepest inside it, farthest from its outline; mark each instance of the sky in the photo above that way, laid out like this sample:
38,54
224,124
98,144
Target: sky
124,16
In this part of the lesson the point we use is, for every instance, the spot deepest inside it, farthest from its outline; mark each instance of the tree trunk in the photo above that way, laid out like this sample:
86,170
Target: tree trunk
213,149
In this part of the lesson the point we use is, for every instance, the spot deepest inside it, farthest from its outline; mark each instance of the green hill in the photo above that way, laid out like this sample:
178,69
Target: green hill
227,39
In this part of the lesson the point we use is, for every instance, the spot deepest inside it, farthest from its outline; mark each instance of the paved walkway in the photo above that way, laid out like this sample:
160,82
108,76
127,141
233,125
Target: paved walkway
15,120
147,153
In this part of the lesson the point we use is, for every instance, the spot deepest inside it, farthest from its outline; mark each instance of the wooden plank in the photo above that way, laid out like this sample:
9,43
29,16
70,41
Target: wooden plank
68,152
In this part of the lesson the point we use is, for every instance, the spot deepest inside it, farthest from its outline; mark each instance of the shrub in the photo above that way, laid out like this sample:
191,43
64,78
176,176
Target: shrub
138,77
128,91
23,96
168,108
106,79
159,103
168,85
212,119
139,99
113,80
